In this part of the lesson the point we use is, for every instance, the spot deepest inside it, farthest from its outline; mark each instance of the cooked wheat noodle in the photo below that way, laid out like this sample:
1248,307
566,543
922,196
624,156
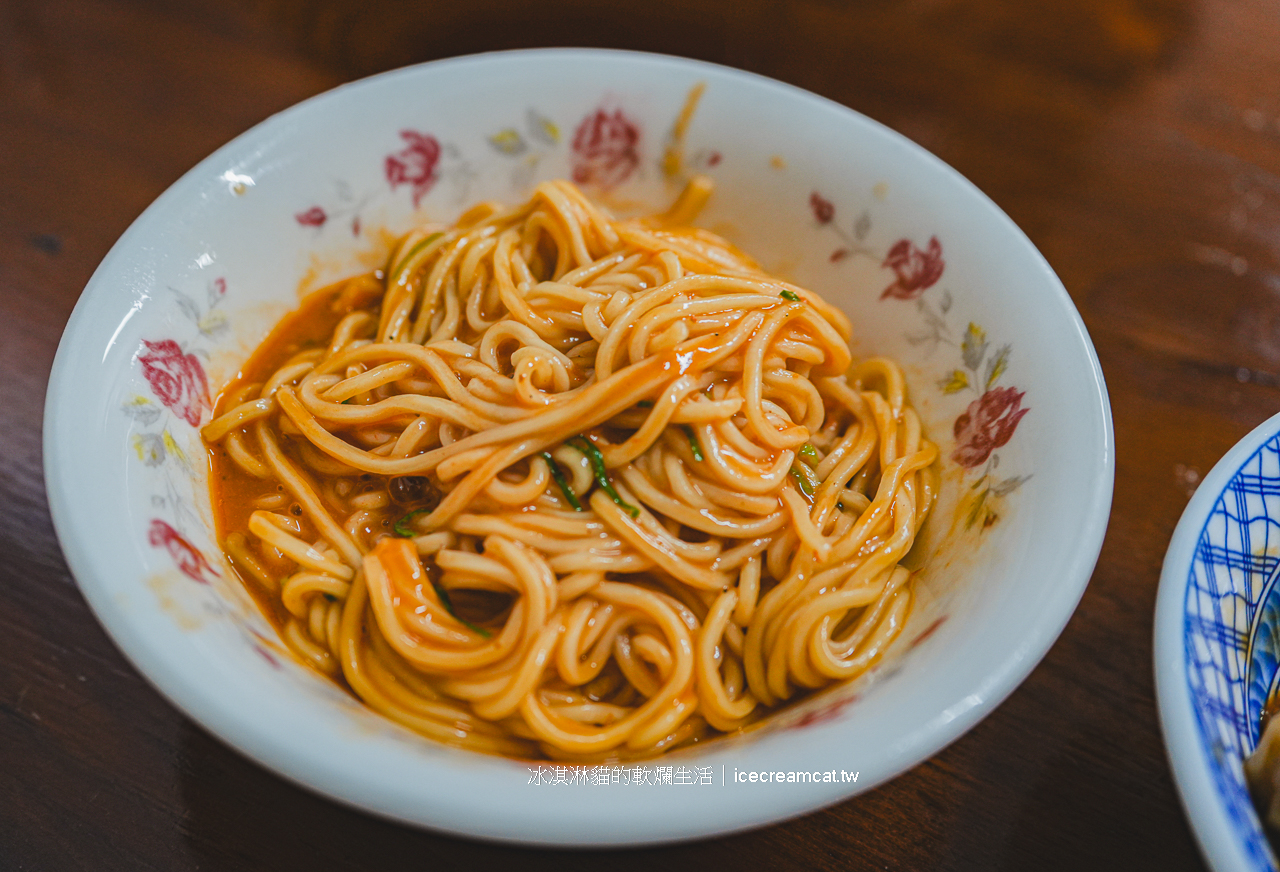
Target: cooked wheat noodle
553,484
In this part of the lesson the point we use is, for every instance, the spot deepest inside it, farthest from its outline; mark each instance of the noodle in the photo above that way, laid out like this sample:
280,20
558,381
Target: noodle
559,485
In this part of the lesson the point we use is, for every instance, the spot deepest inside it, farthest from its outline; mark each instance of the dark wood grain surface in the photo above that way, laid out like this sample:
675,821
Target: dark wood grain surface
1137,142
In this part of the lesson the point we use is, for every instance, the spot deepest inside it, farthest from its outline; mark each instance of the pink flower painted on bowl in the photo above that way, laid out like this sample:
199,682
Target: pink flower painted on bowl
313,217
177,379
929,631
990,420
829,712
605,149
415,164
262,645
853,237
823,209
986,425
916,269
185,555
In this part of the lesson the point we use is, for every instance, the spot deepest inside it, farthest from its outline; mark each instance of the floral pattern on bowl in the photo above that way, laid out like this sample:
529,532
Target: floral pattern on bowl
991,419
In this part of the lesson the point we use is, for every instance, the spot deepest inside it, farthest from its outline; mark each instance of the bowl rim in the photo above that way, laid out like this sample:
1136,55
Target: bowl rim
237,730
1193,773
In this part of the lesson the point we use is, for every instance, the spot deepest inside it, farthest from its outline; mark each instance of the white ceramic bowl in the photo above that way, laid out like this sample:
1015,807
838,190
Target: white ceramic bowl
1217,643
931,272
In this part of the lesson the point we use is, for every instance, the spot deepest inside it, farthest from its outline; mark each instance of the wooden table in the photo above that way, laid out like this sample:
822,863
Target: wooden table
1136,141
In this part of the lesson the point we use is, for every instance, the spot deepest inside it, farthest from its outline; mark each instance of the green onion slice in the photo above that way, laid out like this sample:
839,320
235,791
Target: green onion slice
562,483
805,478
693,443
583,444
402,527
448,607
422,243
809,453
790,295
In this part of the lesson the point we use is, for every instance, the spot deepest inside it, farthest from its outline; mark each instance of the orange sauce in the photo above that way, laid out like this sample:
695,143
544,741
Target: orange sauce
234,492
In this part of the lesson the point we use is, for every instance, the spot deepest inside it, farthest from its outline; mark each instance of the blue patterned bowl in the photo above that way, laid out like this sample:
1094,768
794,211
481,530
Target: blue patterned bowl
1217,644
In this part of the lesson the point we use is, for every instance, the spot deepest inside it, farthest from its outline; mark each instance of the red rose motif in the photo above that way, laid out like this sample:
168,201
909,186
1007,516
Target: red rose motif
829,712
313,217
916,270
263,645
986,425
823,209
176,378
415,164
184,554
605,149
928,632
267,656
